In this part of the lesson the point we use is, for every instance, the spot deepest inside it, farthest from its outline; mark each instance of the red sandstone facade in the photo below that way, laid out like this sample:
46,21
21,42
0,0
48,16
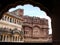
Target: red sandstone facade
34,27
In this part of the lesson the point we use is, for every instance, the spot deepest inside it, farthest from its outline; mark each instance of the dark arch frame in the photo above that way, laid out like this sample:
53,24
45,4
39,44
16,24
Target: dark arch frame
7,7
25,2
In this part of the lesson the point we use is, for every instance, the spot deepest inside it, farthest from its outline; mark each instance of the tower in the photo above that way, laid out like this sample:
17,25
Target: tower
20,12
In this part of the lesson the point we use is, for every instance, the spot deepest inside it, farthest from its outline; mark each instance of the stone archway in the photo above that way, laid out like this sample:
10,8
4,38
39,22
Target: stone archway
26,2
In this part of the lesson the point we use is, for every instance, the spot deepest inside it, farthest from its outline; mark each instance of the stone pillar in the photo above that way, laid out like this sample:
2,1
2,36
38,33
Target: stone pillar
12,20
9,19
12,39
6,18
6,38
15,38
2,37
9,38
18,38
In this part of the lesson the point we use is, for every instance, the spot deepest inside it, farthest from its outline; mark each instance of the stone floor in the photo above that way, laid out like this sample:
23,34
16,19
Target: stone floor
29,40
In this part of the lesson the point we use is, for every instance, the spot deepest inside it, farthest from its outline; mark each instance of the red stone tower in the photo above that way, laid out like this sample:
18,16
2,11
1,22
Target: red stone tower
20,12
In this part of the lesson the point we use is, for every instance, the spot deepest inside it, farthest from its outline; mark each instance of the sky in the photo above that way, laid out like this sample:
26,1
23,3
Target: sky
30,10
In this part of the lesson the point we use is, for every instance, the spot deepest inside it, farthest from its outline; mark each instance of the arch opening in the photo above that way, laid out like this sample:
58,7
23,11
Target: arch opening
34,14
33,11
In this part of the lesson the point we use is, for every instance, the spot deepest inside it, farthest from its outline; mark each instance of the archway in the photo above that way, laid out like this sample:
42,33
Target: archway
30,10
29,2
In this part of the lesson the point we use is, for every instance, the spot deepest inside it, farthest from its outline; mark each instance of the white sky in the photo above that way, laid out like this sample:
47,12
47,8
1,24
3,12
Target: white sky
30,10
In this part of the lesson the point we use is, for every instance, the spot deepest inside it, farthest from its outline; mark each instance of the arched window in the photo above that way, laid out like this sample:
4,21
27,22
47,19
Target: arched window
7,18
10,19
36,32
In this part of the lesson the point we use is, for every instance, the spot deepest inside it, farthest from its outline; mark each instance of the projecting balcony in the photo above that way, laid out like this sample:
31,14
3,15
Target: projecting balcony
11,35
10,24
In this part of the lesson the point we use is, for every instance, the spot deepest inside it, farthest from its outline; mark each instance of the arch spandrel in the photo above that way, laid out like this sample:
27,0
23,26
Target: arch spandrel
7,7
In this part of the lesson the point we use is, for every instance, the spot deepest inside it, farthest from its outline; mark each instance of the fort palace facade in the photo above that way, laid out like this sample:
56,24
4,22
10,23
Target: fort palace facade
16,27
